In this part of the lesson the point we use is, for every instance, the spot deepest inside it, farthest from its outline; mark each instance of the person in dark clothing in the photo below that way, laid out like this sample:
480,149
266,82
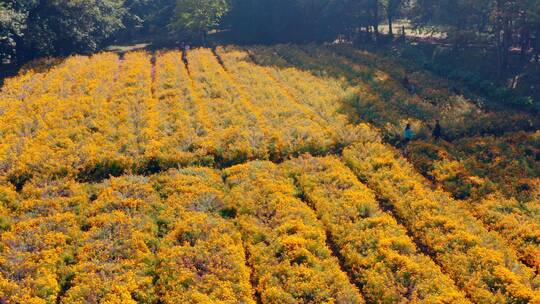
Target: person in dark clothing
184,53
184,57
408,134
405,82
408,85
437,130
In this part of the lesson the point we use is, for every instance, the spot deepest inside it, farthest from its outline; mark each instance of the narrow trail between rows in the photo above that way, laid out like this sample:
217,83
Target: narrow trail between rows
330,243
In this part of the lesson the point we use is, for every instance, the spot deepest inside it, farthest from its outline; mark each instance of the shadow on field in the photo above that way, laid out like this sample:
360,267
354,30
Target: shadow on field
37,66
395,109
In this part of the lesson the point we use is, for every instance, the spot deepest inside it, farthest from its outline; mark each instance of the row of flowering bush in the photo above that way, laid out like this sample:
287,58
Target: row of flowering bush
179,134
291,127
376,249
39,233
498,178
319,97
47,132
234,129
517,222
115,259
201,257
285,242
477,260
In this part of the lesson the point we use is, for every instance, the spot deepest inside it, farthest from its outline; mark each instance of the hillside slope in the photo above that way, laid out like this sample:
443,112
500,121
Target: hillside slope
260,175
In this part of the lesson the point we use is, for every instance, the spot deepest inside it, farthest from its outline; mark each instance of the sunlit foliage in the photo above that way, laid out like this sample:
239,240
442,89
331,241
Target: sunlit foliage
376,249
285,242
249,175
477,260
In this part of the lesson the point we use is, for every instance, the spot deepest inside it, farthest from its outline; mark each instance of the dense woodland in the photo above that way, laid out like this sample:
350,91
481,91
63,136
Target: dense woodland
31,28
501,38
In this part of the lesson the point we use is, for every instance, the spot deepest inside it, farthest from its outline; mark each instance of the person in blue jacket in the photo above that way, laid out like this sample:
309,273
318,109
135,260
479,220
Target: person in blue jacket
408,134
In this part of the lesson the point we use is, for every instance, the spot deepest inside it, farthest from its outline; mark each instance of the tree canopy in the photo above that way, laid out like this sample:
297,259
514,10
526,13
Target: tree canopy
30,28
194,18
59,27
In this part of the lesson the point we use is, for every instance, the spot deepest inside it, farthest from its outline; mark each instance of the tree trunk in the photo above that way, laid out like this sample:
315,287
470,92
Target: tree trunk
390,25
505,48
524,42
499,36
504,39
376,19
204,38
20,52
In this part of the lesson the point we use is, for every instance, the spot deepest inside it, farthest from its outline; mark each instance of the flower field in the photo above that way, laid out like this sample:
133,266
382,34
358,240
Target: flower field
260,175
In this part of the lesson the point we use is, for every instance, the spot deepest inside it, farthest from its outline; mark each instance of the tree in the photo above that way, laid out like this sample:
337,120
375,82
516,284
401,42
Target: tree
496,24
195,18
273,21
60,27
533,21
462,20
12,24
147,17
392,8
374,7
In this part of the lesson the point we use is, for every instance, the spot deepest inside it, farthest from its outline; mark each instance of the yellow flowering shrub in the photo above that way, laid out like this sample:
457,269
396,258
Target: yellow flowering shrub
202,261
33,257
376,249
197,189
176,140
115,258
233,130
286,244
476,259
46,197
518,223
9,202
201,258
39,240
21,87
290,127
